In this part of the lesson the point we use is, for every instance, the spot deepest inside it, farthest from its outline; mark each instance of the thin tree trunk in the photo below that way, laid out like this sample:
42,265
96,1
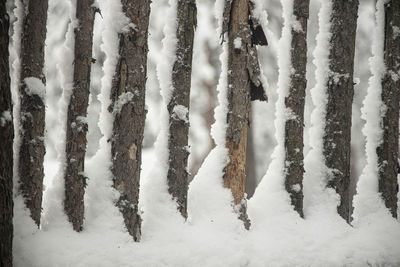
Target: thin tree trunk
6,145
340,87
388,151
128,97
295,102
178,107
32,112
77,127
251,179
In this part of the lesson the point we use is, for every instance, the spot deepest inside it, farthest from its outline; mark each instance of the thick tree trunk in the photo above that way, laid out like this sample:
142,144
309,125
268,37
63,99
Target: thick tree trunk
32,112
295,102
6,145
388,151
340,88
178,107
77,126
128,107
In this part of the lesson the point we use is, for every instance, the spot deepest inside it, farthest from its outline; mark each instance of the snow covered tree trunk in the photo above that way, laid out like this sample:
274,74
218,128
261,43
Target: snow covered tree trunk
128,107
6,145
178,107
340,90
32,112
295,103
388,150
77,126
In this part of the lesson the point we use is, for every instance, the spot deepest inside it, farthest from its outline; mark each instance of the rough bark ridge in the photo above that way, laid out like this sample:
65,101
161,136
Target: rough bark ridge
340,90
178,107
32,112
77,127
6,145
388,151
128,107
243,75
294,126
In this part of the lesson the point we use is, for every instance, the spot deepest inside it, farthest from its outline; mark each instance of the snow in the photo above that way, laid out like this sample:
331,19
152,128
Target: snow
237,42
181,113
5,116
35,86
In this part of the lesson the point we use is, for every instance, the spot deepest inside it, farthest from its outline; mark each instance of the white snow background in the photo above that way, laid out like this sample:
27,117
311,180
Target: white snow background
212,235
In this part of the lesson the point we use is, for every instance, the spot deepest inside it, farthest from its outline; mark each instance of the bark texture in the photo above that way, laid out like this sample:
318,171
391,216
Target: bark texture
179,104
77,127
243,77
128,108
6,145
388,151
340,90
32,112
294,126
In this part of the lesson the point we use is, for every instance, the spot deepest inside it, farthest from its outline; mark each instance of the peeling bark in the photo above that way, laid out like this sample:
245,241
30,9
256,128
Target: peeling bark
340,89
178,126
388,150
128,108
6,145
77,127
295,100
32,112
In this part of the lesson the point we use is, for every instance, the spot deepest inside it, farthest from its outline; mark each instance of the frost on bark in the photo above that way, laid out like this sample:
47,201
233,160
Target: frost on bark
244,85
388,150
178,107
6,145
32,112
294,126
77,127
128,108
340,91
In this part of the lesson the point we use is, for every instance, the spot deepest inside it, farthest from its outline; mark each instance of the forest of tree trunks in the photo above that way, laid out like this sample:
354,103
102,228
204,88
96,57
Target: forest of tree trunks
388,150
32,106
340,91
178,107
77,126
6,145
128,108
295,102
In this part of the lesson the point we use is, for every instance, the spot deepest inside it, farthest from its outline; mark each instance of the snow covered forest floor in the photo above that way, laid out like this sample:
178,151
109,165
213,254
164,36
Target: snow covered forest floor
212,235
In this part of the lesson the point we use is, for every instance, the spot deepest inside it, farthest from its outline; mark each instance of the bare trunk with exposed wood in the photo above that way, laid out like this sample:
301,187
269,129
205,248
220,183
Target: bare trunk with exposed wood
388,151
178,107
6,145
32,112
340,90
128,108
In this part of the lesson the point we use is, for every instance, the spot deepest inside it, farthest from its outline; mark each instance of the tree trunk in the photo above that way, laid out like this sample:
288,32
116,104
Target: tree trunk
388,151
251,179
128,108
340,88
6,145
32,112
77,127
295,102
178,107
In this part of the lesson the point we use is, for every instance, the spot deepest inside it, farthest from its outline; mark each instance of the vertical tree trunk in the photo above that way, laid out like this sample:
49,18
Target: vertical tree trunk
6,145
77,126
295,102
388,151
32,113
340,87
178,107
128,97
251,179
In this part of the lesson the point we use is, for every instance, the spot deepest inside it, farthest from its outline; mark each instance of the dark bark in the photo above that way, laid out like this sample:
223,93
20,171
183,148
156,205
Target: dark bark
32,112
340,90
243,75
77,127
6,145
178,125
294,128
251,179
128,108
388,150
